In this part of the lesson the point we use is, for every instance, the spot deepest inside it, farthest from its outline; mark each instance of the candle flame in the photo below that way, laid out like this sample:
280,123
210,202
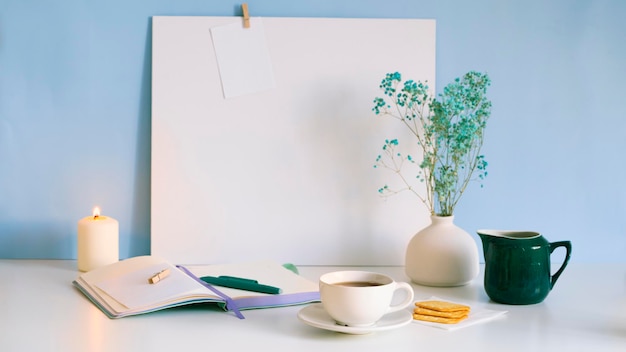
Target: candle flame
96,212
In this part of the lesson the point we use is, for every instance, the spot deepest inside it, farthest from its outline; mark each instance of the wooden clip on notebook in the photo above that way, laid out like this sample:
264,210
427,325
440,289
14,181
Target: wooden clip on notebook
159,276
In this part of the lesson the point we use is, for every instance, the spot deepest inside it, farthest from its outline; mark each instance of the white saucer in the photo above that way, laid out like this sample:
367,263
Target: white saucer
316,316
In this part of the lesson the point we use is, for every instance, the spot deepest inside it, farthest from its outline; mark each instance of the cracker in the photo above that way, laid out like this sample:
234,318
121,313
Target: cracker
440,320
436,313
442,306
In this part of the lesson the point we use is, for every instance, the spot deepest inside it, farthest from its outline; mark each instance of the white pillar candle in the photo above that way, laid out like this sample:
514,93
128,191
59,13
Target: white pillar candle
98,241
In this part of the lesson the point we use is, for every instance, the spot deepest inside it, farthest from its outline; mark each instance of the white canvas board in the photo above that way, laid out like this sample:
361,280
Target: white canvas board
284,174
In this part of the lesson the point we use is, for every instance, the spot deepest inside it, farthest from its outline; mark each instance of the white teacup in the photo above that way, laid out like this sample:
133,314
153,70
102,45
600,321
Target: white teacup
361,298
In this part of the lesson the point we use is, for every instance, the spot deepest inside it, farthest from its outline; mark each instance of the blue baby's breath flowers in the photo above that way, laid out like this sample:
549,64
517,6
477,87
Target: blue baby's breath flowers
449,131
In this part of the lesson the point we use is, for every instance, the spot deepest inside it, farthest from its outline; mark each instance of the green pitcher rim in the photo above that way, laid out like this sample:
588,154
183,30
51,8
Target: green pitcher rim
511,234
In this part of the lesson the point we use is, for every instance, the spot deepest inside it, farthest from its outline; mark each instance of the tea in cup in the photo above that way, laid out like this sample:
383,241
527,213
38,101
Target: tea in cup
361,298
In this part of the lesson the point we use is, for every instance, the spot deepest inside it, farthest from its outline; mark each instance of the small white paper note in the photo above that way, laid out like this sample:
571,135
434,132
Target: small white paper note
243,58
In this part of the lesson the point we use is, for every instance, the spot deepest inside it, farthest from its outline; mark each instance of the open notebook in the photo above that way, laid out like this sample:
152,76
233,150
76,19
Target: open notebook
122,289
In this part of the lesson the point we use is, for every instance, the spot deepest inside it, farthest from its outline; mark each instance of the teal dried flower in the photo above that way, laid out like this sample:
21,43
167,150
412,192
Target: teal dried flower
449,131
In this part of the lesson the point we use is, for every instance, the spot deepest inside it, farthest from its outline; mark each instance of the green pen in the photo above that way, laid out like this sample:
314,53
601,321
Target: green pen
241,284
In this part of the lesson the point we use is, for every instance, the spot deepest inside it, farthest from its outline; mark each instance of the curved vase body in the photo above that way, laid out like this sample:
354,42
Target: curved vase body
442,254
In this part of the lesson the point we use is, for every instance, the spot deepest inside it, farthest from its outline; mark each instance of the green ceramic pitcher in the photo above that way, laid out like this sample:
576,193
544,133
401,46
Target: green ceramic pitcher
517,265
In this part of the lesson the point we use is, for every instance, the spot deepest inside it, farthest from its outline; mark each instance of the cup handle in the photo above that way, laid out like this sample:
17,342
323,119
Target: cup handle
568,248
402,286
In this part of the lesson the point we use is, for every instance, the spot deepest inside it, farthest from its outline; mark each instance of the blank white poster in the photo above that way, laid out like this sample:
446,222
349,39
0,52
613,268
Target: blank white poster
286,173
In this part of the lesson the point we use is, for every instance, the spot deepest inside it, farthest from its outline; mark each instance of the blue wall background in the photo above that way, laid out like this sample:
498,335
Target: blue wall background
75,113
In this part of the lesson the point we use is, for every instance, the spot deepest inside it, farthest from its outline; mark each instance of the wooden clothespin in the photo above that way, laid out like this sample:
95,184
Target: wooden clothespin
159,276
246,15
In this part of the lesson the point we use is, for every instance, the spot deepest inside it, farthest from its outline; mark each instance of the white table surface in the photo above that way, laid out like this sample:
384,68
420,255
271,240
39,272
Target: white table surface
40,310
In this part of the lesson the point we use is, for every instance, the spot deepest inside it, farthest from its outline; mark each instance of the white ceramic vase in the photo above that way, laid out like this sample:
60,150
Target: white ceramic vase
442,254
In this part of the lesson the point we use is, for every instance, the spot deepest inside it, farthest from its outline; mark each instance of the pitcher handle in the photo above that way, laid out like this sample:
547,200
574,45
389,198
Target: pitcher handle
568,248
